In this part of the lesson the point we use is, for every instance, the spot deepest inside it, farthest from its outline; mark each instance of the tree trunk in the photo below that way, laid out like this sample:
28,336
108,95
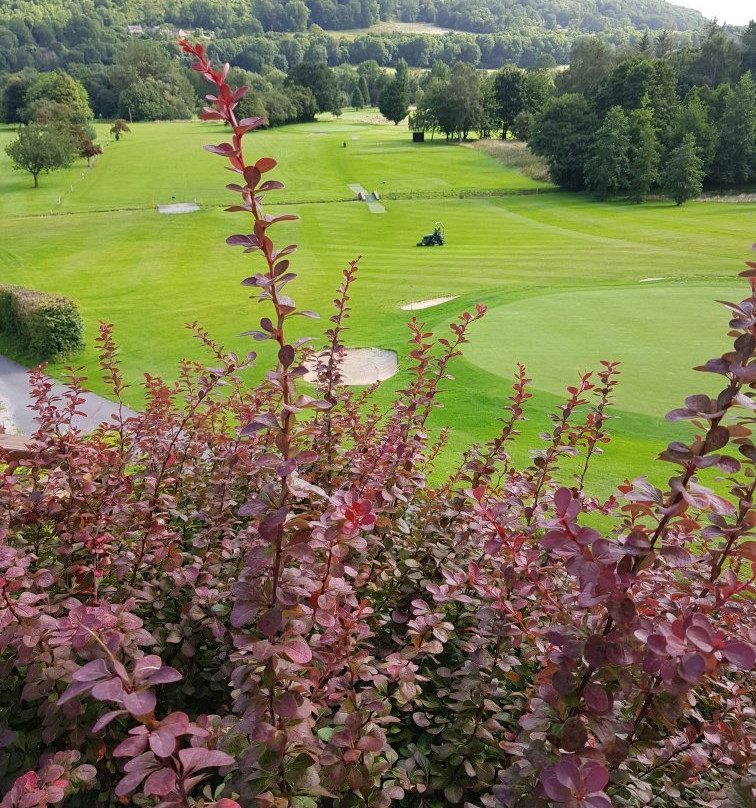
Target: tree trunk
35,174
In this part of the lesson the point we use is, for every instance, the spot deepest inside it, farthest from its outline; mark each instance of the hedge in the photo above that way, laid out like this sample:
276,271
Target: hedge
45,325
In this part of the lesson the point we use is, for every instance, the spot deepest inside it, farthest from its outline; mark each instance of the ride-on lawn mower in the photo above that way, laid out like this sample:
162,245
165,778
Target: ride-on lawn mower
434,239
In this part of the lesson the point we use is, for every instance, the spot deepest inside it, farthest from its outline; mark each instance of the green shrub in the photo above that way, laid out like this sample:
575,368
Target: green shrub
46,326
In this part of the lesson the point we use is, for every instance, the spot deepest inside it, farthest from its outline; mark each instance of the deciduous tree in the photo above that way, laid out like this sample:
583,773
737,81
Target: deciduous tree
509,92
39,148
562,133
119,127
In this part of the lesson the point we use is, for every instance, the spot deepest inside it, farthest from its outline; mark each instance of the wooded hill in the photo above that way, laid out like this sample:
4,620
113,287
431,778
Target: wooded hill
47,34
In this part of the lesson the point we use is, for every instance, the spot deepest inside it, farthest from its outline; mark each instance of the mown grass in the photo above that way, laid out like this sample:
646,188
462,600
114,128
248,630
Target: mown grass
563,276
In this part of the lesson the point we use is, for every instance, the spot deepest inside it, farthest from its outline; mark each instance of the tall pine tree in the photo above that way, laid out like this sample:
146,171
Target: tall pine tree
606,170
732,165
394,100
643,153
682,178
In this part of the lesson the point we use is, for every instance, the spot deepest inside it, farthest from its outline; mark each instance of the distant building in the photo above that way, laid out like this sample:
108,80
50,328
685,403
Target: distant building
134,29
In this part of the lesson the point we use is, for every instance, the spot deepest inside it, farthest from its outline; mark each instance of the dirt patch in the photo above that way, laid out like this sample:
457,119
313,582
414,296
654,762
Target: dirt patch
179,207
362,366
427,304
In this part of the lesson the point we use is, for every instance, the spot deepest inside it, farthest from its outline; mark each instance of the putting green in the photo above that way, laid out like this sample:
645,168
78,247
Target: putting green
647,329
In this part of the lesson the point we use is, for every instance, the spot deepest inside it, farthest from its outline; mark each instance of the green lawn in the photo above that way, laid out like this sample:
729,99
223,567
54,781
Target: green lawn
563,276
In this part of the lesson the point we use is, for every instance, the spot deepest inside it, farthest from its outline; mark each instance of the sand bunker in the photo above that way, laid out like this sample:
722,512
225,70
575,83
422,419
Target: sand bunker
179,207
651,280
428,304
362,366
7,424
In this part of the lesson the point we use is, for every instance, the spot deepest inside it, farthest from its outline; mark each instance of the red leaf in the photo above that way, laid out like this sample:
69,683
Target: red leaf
298,651
265,164
252,176
562,499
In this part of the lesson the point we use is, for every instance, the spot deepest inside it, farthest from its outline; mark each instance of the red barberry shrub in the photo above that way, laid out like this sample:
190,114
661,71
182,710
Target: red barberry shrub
257,597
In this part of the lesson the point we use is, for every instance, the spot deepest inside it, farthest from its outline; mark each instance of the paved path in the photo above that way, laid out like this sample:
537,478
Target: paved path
15,399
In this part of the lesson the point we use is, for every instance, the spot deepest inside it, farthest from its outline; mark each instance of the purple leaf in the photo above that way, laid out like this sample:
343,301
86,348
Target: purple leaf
162,742
104,720
595,651
298,651
271,622
164,676
251,123
597,699
93,671
553,789
692,667
676,557
142,702
160,783
568,774
110,690
701,638
574,734
739,654
132,746
72,691
129,783
285,705
597,801
197,758
595,777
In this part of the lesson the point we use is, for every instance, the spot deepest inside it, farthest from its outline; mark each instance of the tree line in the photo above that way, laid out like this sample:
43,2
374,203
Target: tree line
632,123
44,35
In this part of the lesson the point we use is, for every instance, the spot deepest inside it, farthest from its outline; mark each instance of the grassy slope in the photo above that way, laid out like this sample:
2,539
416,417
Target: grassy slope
559,273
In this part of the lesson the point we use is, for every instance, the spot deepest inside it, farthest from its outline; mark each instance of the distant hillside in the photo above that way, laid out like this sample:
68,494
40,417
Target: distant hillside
476,16
79,34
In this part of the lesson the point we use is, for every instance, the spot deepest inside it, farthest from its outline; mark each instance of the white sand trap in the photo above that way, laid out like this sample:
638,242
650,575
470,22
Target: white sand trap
362,366
7,424
428,304
651,280
179,207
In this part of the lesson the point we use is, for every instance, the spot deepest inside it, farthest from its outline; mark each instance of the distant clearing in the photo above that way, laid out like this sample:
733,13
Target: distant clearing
394,27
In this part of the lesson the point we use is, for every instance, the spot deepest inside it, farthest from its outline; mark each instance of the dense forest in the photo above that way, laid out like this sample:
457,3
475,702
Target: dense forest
627,126
48,34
